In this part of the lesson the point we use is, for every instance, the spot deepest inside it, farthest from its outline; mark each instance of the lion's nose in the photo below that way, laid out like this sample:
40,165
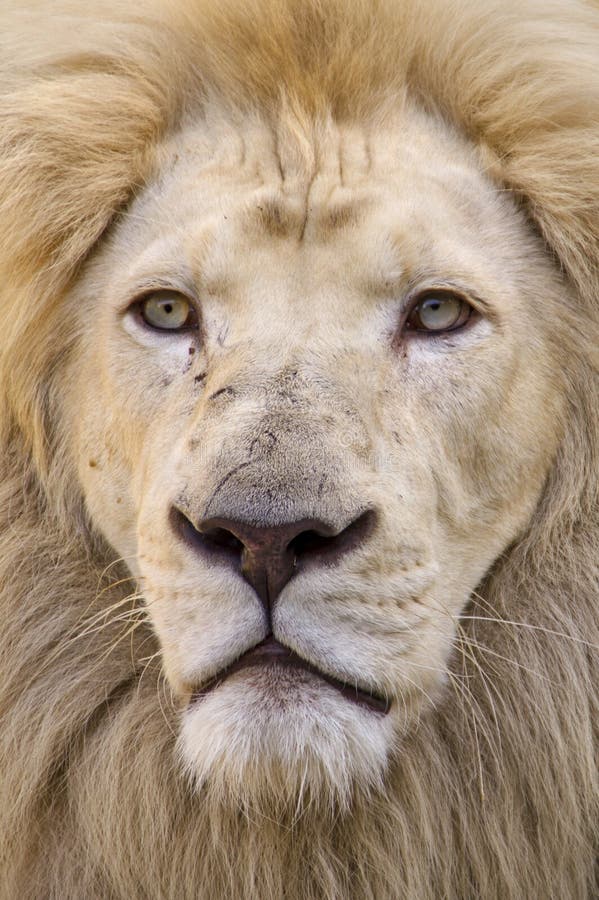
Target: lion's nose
268,556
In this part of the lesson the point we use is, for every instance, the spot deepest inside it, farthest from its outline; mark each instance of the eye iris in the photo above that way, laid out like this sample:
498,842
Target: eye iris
439,313
166,312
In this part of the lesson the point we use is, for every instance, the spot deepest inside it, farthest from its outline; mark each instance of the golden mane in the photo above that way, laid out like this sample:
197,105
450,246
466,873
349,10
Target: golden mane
495,795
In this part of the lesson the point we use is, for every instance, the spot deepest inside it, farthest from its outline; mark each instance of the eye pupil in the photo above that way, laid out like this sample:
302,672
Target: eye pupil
168,307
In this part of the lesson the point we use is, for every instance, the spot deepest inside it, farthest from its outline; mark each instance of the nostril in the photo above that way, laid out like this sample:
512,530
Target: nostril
221,539
321,544
215,542
310,542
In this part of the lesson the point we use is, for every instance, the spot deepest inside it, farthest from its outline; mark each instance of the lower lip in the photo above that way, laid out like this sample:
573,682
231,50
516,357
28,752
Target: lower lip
271,653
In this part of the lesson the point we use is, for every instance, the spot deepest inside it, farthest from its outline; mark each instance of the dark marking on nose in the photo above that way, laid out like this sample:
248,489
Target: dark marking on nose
228,391
267,557
263,444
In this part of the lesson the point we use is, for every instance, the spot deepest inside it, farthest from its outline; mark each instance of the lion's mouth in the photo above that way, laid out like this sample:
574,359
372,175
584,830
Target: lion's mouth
271,653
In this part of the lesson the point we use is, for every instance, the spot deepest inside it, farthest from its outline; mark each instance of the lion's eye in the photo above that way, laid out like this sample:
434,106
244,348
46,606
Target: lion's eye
167,311
438,311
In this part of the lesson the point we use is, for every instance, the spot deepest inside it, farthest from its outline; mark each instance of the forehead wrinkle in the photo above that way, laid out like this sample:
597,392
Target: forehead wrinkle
312,190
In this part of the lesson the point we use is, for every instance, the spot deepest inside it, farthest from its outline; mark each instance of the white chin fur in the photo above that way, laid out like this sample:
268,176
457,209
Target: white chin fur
267,739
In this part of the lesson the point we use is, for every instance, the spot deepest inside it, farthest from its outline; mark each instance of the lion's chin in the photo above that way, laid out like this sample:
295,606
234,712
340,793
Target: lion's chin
267,737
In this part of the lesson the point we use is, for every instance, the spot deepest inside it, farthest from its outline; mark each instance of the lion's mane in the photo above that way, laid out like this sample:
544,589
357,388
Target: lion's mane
495,794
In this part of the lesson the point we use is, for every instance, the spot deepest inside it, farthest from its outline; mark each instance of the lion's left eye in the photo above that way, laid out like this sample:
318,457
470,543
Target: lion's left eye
438,311
167,311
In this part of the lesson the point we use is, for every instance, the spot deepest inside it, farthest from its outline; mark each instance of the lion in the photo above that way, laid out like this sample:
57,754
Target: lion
300,446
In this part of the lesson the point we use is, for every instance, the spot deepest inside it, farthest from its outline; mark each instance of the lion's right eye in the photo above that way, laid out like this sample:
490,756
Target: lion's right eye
167,311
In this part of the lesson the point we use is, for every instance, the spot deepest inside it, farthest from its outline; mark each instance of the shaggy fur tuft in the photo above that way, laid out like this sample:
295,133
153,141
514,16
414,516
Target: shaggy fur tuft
495,795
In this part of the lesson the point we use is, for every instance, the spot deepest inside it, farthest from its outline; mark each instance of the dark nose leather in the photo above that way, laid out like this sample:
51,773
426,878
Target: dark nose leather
268,557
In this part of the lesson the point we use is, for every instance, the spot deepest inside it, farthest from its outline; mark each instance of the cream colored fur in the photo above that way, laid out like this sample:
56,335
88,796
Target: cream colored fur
337,152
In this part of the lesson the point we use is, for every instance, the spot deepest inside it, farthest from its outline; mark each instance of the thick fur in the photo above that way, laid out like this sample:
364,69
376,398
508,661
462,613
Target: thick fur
495,795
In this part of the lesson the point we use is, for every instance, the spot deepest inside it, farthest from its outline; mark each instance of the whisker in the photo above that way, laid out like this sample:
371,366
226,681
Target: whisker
160,682
529,625
92,626
148,661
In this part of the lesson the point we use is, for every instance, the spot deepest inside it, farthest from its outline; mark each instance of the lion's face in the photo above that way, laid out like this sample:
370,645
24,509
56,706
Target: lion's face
315,404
